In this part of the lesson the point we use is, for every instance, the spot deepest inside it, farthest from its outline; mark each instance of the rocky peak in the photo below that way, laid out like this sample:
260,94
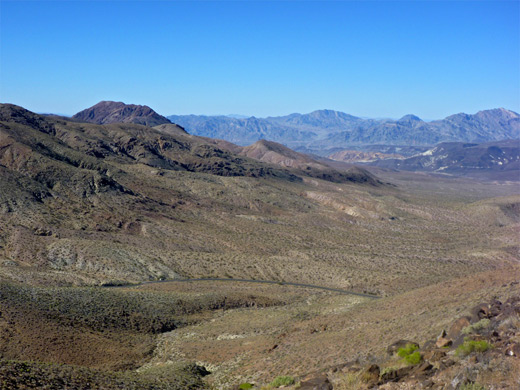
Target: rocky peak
410,118
106,112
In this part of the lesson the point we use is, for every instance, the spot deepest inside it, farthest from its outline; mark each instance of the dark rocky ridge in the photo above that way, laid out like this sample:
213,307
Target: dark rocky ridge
106,112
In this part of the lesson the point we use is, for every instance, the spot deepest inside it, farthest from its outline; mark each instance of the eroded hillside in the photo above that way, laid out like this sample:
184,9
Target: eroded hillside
124,202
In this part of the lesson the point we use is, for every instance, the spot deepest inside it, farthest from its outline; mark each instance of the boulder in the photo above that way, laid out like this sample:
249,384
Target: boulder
370,375
457,327
422,370
480,311
434,355
317,383
443,342
396,375
495,308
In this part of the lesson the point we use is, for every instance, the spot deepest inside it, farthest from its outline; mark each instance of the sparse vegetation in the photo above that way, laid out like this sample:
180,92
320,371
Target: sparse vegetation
407,350
387,370
349,381
413,358
282,381
410,354
476,327
31,375
470,346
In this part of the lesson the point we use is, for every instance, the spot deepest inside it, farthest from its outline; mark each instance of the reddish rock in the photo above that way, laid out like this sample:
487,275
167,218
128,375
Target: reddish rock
457,327
434,355
443,342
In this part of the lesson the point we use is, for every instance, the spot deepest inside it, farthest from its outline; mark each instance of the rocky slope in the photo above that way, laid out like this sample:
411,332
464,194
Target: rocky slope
106,112
278,154
480,350
66,185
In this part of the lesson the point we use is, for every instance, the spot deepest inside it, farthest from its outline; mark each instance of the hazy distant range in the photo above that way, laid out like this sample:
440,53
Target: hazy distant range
325,131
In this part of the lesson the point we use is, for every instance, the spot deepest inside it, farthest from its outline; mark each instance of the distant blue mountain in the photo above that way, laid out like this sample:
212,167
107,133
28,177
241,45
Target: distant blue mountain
327,129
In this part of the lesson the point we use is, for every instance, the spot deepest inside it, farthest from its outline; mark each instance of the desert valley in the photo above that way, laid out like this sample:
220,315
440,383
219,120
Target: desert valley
135,251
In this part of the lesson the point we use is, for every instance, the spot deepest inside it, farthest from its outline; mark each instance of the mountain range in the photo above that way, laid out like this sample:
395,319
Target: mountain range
459,158
323,130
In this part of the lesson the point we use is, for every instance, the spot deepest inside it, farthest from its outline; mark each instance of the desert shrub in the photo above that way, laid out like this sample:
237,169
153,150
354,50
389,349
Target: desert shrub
282,381
245,386
470,346
407,350
348,381
365,377
410,354
413,358
387,370
476,327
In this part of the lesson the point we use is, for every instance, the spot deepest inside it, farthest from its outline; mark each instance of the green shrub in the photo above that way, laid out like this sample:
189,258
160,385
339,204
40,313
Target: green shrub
410,354
407,350
413,358
470,346
282,381
482,324
245,386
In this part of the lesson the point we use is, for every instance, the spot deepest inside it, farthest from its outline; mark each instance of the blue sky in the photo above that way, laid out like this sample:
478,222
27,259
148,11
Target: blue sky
375,59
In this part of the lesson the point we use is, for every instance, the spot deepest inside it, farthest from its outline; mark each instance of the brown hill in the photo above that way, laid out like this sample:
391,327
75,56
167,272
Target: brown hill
278,154
106,112
361,156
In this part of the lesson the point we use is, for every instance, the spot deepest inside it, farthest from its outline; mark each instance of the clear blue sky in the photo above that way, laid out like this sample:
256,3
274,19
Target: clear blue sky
376,59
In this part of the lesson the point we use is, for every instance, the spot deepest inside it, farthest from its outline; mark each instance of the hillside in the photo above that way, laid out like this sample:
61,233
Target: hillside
128,202
323,130
278,154
498,160
360,156
106,112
